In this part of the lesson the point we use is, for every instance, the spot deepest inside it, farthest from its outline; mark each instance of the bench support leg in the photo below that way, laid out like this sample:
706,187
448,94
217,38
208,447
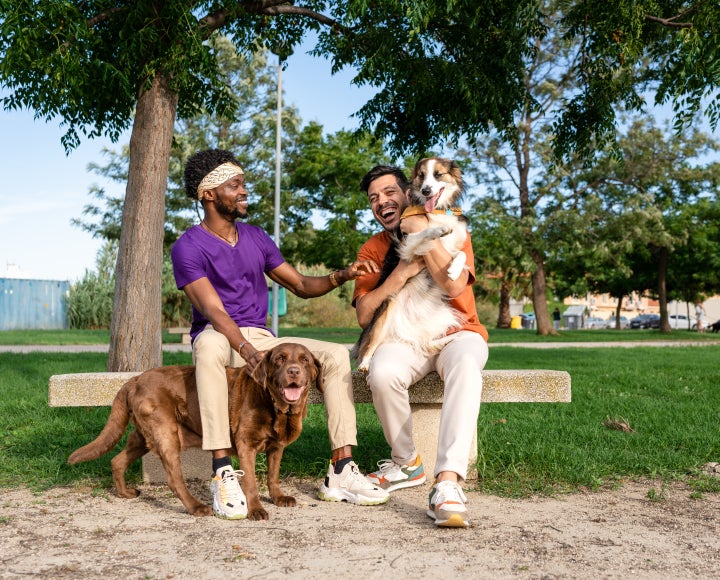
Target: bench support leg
197,464
426,426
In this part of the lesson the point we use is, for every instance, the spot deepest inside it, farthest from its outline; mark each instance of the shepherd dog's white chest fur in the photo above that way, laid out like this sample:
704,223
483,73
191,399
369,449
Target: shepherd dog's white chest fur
419,314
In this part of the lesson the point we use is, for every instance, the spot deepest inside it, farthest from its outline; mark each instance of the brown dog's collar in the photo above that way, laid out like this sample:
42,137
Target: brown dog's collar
420,210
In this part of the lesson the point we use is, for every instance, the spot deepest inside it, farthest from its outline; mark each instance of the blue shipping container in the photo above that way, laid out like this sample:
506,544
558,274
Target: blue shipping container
33,304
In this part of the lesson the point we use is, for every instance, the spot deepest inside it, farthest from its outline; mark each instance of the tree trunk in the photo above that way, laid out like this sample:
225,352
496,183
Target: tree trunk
539,291
504,319
136,326
618,310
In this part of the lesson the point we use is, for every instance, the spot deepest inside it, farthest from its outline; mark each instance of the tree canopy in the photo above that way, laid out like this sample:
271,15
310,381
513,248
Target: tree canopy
445,71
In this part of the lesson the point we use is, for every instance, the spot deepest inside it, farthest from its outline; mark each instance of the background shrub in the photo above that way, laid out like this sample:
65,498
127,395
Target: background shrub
334,310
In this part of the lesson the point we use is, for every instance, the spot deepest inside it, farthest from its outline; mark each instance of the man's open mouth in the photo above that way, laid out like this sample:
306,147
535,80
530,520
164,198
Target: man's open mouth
388,212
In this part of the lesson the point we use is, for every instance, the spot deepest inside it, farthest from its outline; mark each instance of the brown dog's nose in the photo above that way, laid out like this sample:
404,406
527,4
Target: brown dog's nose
293,371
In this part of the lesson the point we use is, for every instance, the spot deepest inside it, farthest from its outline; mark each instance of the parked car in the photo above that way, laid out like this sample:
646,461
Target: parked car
595,322
624,323
681,322
646,321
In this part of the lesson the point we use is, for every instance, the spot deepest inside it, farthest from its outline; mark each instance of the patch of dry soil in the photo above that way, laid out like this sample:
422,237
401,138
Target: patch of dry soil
71,533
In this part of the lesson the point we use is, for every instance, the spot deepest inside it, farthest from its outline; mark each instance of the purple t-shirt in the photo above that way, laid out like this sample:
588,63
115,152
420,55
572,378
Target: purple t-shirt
237,273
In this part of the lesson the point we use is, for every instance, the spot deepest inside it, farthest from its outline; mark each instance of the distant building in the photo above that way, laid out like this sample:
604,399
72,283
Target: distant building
605,306
27,304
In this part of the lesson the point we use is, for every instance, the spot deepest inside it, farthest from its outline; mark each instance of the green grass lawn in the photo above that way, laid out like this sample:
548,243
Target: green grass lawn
669,396
350,335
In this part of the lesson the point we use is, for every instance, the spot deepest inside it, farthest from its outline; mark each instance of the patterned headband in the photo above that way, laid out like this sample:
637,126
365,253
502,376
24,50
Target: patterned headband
218,176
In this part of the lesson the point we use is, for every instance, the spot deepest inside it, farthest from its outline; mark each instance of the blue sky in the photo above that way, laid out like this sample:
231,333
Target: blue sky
42,189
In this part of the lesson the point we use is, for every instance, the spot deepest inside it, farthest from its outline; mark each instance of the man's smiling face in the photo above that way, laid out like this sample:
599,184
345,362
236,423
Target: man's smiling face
387,201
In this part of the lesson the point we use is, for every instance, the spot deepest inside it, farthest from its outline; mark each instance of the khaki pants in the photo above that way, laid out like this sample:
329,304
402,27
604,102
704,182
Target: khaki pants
212,353
395,367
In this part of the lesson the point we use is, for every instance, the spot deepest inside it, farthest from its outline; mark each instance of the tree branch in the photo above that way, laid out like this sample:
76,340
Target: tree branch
104,16
217,20
289,9
670,22
213,22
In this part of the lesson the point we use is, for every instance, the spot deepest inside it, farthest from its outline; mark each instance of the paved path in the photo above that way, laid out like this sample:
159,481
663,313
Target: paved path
25,348
175,347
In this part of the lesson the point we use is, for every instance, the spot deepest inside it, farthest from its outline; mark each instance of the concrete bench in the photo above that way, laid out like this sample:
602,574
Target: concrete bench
507,386
183,330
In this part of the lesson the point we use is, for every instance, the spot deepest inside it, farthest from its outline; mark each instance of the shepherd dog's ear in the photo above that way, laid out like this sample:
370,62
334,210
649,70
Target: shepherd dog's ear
319,380
262,370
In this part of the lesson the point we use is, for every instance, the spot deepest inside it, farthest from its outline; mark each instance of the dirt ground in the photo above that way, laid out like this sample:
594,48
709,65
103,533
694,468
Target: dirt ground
73,533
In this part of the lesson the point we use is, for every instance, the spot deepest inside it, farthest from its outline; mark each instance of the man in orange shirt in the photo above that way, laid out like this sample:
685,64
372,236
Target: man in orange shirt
396,366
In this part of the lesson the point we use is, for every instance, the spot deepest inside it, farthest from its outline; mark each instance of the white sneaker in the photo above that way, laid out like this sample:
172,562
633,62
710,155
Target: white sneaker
228,497
392,476
351,485
447,505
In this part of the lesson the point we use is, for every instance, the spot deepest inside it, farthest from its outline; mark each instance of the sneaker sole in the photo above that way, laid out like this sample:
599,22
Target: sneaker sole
453,521
326,494
223,516
400,484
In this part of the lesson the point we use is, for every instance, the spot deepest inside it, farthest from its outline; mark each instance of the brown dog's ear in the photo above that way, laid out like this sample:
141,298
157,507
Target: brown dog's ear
319,381
262,370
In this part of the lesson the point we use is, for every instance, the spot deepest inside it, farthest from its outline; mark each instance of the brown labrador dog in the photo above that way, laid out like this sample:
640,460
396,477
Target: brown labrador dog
267,409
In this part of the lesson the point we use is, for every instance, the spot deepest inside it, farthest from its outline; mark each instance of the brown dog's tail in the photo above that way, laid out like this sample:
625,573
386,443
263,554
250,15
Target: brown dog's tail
112,432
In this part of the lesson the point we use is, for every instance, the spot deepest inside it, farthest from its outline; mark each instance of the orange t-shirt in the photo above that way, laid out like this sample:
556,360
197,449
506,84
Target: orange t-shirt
377,247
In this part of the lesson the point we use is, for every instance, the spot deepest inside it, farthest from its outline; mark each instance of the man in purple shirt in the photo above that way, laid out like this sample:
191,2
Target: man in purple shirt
221,266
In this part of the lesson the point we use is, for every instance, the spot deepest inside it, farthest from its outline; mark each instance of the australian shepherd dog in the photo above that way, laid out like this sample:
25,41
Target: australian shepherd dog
419,314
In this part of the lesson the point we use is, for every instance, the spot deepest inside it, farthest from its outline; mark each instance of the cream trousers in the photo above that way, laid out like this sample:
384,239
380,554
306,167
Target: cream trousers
395,367
212,353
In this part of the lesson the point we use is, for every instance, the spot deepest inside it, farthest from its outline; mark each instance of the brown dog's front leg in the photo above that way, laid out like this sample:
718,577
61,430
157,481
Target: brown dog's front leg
169,453
274,456
248,482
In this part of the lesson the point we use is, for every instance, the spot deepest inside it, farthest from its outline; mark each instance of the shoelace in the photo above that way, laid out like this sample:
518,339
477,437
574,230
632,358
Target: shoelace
232,492
386,465
448,491
357,477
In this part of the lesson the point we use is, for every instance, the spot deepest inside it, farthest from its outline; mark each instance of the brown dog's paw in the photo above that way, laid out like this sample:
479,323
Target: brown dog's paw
128,493
258,514
201,511
285,501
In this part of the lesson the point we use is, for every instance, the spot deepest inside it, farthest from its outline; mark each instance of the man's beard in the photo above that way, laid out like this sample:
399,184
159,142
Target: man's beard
233,211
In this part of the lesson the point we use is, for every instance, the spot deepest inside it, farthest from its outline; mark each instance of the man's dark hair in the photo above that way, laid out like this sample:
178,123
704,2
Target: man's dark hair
202,163
379,171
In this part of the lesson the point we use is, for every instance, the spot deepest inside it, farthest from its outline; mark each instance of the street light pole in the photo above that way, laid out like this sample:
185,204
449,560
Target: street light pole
278,164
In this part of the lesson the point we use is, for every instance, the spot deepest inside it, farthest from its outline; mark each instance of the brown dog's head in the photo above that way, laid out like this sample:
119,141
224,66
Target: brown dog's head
436,183
287,372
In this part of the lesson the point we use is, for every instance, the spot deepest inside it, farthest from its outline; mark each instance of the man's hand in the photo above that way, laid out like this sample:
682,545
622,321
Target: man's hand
407,270
251,355
413,224
359,268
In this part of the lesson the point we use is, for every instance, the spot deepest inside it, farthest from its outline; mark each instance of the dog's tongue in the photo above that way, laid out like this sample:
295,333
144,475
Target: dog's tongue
430,203
292,393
